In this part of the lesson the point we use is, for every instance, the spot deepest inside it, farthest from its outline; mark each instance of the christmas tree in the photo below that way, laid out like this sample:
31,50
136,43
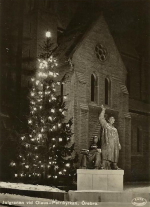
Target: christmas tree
46,151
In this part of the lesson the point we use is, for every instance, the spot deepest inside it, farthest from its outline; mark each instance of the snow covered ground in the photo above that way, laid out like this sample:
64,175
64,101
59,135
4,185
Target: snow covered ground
22,186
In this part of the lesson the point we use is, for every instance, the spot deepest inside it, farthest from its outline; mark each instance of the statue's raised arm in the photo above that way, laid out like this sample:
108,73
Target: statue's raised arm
102,120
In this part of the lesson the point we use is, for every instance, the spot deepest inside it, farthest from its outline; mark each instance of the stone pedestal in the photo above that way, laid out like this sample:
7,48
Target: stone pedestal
105,180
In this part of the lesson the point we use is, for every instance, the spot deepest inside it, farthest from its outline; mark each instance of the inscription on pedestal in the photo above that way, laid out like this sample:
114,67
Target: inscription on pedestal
107,180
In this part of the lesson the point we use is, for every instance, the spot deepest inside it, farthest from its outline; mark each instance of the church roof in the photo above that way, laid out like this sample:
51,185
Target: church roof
84,18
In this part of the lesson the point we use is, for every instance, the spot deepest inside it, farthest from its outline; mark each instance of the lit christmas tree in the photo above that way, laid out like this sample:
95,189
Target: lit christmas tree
46,152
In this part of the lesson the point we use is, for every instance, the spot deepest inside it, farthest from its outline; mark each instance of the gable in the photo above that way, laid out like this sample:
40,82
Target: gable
85,54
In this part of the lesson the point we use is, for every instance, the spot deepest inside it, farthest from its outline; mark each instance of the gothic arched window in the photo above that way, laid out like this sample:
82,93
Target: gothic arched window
107,91
94,88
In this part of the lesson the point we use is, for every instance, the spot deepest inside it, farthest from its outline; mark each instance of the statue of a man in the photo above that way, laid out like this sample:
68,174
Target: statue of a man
110,144
92,157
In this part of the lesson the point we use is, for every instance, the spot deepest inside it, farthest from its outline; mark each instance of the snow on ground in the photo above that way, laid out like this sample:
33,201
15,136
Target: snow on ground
22,186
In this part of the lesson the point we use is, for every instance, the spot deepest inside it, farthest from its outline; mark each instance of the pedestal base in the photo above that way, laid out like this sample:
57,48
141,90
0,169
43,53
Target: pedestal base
106,180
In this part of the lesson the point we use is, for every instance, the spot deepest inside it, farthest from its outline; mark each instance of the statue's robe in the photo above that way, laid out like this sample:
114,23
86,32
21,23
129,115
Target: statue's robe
109,141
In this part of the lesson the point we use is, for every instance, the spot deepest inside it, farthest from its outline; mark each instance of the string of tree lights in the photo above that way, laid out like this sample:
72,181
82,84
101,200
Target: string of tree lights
46,152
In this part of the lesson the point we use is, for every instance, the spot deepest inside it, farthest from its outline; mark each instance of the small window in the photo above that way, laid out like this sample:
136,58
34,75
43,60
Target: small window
93,88
107,91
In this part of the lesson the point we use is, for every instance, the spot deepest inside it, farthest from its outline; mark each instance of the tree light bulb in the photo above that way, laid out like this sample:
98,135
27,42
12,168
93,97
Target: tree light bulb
23,137
27,166
30,121
50,118
16,175
50,73
48,34
37,82
68,164
40,135
60,139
